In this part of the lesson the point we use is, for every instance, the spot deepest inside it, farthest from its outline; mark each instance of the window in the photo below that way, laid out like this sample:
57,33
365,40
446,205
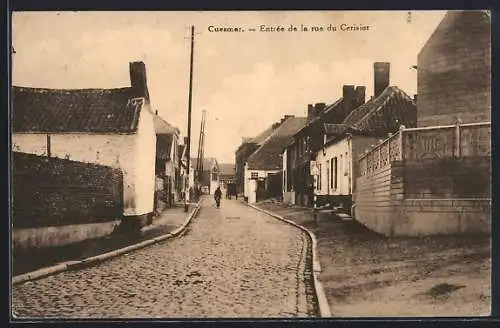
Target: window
335,179
341,162
346,165
254,175
319,176
331,173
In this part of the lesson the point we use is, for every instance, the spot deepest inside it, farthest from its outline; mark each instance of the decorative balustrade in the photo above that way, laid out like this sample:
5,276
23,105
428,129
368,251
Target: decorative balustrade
381,155
450,141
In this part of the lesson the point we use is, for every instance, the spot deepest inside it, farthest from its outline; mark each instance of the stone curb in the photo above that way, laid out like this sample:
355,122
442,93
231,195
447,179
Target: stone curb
75,265
324,308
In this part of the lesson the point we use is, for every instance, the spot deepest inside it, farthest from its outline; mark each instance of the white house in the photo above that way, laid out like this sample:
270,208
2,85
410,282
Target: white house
112,127
267,159
337,167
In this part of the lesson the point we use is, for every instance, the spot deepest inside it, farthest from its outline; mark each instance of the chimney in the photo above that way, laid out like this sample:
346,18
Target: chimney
360,94
310,111
138,79
348,93
156,112
286,117
318,108
381,77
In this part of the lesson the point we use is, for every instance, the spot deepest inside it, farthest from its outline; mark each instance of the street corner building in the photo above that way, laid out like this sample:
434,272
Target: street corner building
266,160
66,129
436,178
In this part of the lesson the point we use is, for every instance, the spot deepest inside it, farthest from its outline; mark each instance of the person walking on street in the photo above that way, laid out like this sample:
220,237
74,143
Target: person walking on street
217,196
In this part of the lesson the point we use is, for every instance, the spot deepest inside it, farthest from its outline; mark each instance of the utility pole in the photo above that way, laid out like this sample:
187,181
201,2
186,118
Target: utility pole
188,146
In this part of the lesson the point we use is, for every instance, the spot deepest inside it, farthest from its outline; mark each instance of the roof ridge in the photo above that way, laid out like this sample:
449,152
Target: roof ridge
366,104
275,132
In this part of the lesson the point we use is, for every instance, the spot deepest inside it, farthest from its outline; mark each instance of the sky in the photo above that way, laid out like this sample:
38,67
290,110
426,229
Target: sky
245,81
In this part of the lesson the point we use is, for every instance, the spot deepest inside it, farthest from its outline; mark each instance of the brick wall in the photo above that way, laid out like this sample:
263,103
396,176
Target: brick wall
454,71
412,198
467,177
57,192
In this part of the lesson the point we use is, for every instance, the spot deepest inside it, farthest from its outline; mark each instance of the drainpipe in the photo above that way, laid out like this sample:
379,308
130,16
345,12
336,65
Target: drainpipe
48,146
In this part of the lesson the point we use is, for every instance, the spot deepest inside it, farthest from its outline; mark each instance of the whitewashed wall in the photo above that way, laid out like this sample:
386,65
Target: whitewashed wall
342,151
249,189
145,153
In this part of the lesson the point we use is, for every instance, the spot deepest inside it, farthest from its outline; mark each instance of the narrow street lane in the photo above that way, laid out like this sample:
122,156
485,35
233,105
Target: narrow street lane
232,262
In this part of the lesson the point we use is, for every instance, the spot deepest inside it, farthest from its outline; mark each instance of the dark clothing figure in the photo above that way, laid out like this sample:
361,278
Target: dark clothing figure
217,196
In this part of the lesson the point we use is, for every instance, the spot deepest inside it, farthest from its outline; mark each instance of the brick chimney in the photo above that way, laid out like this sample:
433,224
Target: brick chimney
318,108
138,79
310,111
360,94
286,117
348,93
381,77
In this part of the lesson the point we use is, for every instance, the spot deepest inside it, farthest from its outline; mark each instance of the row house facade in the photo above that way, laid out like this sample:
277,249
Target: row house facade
341,139
302,149
266,160
337,161
247,148
167,168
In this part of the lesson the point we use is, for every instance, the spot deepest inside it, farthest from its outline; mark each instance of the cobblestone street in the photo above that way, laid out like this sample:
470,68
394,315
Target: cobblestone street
232,262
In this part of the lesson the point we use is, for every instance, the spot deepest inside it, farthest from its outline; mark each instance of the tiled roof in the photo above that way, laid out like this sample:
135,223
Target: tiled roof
264,135
163,127
75,110
258,140
227,169
332,107
384,114
267,156
331,128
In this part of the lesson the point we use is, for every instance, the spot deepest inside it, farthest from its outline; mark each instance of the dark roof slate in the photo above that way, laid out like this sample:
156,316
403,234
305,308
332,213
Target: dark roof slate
75,110
331,128
384,114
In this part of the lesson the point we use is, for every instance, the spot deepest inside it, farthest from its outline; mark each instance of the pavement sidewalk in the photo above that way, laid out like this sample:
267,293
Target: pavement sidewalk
167,222
366,274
